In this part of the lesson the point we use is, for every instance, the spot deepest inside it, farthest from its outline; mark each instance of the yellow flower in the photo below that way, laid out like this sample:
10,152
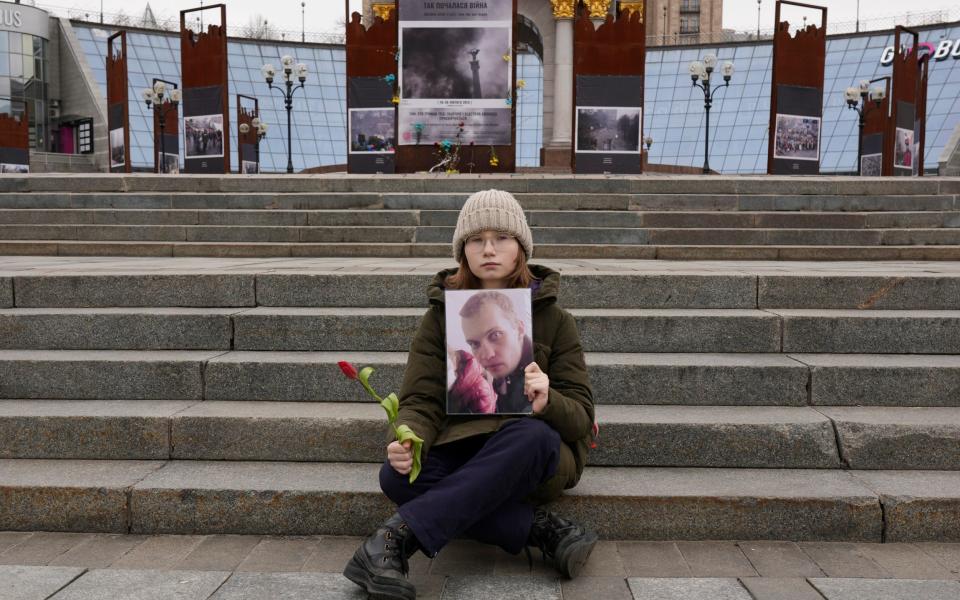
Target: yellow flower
494,161
506,57
395,99
521,84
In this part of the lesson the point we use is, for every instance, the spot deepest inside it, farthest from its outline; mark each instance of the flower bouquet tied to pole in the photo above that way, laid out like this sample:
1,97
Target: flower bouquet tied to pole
391,404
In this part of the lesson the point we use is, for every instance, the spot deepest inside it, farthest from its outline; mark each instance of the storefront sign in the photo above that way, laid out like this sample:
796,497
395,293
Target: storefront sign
25,19
940,51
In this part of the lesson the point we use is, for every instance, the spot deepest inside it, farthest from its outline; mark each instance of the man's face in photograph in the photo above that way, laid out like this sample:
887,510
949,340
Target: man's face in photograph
495,339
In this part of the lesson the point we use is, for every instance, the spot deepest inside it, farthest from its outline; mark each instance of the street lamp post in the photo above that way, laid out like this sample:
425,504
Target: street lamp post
288,68
261,128
758,19
702,71
155,98
303,22
856,98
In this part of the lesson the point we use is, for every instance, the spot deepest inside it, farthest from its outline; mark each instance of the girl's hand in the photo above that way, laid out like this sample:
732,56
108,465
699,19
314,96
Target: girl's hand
400,456
536,385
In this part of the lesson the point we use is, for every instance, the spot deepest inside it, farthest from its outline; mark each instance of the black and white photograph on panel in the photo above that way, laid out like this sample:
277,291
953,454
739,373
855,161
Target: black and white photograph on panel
171,163
797,137
14,168
372,130
249,167
203,136
117,150
870,165
610,130
904,149
456,62
489,346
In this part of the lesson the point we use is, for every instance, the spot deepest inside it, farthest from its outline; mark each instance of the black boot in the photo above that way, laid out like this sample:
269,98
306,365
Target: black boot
380,563
566,544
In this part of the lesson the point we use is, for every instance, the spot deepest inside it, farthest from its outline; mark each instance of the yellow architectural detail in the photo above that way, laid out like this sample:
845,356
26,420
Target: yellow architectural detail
563,9
632,6
598,8
383,9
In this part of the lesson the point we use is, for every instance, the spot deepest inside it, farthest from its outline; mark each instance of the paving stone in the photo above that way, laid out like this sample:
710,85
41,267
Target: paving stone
880,331
906,561
716,559
156,289
288,586
946,554
98,551
384,290
590,588
218,553
332,553
140,217
119,248
904,292
279,554
240,233
29,583
484,587
882,380
917,505
159,552
464,558
9,539
42,548
779,588
650,559
886,589
68,495
687,589
604,561
897,437
779,559
6,292
119,584
130,233
102,374
842,559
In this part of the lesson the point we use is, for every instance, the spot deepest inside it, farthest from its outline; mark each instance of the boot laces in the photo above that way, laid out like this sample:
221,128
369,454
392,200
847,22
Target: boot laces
397,552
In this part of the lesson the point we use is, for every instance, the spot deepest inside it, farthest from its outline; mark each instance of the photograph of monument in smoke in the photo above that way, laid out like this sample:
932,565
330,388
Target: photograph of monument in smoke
608,129
456,62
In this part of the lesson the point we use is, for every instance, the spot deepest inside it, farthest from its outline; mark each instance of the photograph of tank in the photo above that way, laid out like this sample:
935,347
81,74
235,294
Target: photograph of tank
372,130
203,136
608,129
455,62
797,137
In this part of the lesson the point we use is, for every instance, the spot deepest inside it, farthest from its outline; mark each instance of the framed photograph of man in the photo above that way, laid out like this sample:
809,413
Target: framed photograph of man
171,163
203,136
489,344
371,130
608,130
797,137
903,156
117,149
249,167
870,165
14,168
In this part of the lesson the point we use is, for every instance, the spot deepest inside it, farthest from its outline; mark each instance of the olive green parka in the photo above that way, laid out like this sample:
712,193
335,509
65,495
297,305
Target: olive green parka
556,350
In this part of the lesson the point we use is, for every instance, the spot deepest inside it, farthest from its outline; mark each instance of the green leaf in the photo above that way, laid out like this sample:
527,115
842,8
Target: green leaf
391,404
404,433
364,375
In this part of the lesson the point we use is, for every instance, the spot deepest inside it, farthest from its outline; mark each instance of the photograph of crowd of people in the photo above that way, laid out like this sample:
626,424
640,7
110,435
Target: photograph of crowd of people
203,136
171,163
870,165
489,345
455,62
117,150
904,150
249,167
14,168
372,130
608,130
797,137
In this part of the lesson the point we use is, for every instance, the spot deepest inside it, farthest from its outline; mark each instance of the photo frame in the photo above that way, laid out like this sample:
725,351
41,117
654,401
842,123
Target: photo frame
171,164
608,129
797,137
372,130
871,165
249,167
489,344
203,136
904,149
14,168
118,151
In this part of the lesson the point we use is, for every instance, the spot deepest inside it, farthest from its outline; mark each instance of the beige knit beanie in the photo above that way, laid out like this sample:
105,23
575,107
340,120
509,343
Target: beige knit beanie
492,209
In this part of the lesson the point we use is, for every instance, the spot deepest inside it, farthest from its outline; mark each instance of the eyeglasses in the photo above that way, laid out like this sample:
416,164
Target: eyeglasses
501,240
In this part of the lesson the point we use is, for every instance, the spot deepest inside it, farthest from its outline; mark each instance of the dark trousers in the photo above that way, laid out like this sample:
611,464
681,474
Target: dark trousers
477,487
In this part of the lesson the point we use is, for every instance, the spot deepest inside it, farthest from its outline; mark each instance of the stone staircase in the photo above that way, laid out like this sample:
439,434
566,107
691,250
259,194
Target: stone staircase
662,217
737,400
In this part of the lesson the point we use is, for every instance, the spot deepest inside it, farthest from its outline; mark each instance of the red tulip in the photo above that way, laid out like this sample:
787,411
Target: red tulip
347,369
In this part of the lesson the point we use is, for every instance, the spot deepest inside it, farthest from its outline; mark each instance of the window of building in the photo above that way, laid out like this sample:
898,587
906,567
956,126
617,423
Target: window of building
689,23
690,6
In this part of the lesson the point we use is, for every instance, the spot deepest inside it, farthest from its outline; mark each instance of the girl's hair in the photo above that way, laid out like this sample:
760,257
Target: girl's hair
464,279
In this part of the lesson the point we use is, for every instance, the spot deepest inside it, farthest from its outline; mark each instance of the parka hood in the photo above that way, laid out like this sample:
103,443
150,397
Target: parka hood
545,288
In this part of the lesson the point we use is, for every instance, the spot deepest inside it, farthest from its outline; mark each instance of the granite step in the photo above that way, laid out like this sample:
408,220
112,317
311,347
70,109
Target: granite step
46,247
617,379
760,437
290,498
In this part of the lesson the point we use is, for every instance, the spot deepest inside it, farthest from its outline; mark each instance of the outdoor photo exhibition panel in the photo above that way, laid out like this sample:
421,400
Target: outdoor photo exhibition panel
205,104
796,95
904,127
118,121
169,145
456,85
372,57
608,68
875,128
14,143
248,144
